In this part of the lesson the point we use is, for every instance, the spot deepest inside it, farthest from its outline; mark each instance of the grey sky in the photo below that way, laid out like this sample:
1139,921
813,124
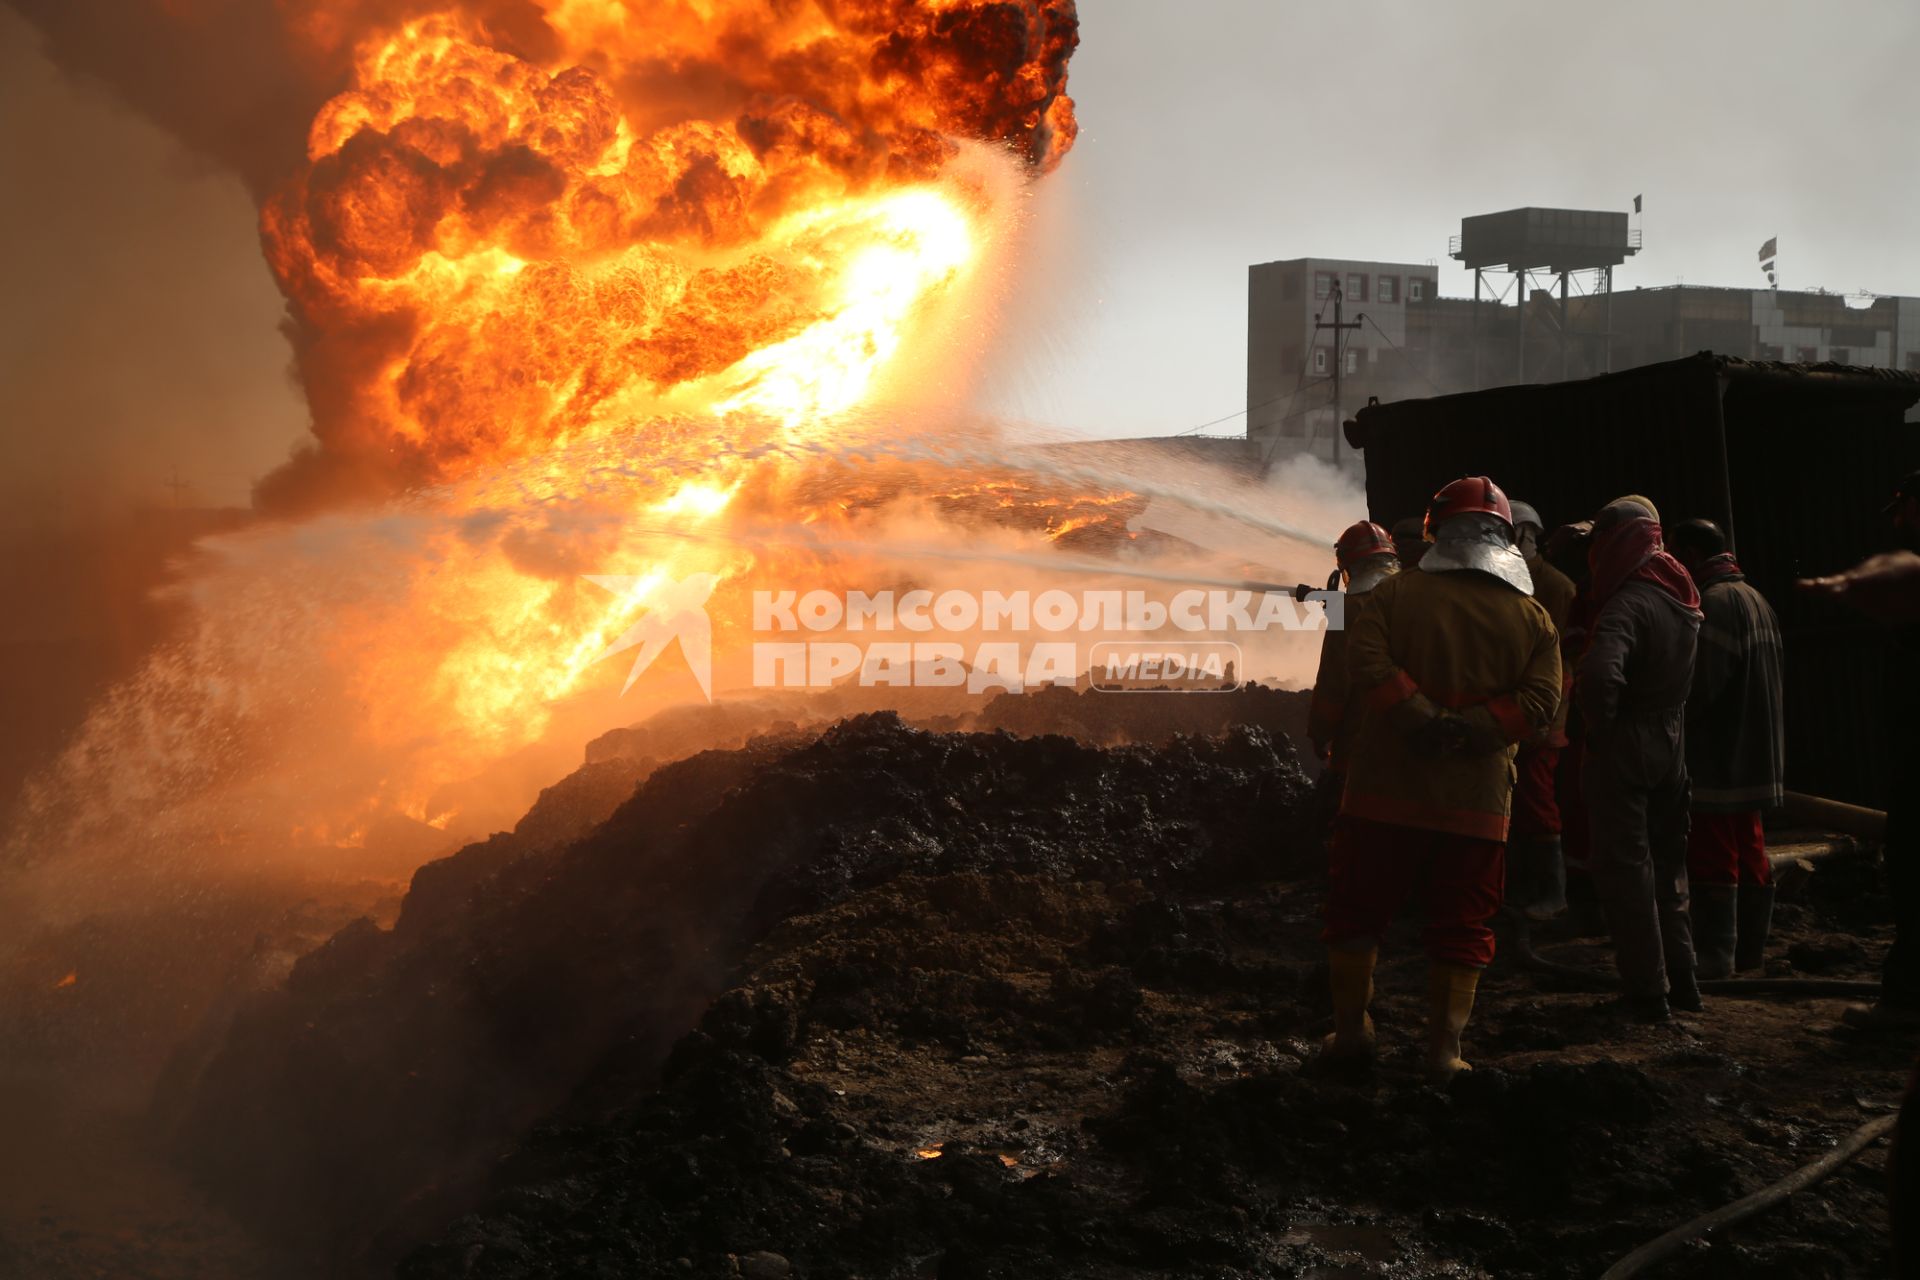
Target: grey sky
1220,133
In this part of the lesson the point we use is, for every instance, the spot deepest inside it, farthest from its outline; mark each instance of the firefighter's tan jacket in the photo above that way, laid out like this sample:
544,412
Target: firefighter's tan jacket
1473,645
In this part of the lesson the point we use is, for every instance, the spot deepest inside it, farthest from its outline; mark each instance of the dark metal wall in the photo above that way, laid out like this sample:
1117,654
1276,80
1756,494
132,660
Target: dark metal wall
1568,448
1796,464
1811,470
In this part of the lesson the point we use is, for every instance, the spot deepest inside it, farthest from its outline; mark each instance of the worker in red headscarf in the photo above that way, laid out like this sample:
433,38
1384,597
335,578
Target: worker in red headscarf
1365,558
1632,689
1736,755
1456,663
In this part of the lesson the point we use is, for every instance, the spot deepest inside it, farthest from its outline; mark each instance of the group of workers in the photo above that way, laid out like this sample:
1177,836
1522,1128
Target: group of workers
1587,722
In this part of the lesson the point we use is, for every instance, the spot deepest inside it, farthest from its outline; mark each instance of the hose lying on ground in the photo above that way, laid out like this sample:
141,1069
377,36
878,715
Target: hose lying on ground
1805,1176
1848,819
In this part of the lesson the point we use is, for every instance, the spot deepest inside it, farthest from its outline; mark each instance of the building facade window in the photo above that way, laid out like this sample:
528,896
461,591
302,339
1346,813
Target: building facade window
1416,289
1322,283
1353,360
1388,289
1356,287
1806,355
1842,355
1319,359
1768,351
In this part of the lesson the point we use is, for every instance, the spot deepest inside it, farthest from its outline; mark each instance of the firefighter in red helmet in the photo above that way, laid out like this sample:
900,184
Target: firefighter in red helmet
1365,557
1455,664
1536,870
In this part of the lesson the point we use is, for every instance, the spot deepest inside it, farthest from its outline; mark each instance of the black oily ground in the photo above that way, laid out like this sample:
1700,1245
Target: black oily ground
370,1098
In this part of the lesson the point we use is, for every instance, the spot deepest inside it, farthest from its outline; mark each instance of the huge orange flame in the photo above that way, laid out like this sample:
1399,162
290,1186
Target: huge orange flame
502,242
568,274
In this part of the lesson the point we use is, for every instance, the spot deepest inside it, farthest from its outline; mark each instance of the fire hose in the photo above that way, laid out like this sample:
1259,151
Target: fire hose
1805,1176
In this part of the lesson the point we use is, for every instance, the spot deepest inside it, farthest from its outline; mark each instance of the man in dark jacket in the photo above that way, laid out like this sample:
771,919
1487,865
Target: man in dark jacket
1567,550
1410,541
1632,689
1536,870
1736,748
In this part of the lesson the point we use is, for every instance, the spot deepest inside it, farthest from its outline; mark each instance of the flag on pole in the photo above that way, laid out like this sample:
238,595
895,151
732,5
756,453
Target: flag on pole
1636,204
1770,249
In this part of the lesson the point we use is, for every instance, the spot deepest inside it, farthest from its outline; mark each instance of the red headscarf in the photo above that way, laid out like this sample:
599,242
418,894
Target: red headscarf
1632,549
1716,568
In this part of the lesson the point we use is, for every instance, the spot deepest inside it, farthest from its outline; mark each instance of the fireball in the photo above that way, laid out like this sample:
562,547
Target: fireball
580,292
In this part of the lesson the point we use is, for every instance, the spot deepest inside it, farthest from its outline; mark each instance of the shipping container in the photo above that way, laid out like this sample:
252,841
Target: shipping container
1796,462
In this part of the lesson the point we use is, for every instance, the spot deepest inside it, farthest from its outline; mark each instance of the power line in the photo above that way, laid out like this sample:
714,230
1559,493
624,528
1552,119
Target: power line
1396,346
1299,384
1237,413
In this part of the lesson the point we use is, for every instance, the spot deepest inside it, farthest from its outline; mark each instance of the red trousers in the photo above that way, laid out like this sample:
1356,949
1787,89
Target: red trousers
1727,848
1375,865
1536,804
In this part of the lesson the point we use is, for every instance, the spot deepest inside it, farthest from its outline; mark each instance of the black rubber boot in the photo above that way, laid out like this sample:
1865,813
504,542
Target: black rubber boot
1683,988
1644,1008
1546,880
1713,927
1756,922
1584,915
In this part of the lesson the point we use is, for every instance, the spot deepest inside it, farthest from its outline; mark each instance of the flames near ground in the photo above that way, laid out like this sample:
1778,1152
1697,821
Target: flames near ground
575,290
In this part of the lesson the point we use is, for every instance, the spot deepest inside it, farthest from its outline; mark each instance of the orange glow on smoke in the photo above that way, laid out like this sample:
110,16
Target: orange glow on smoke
577,288
503,257
494,253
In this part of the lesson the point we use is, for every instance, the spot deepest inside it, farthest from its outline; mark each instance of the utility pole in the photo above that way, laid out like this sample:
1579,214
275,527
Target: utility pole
1520,315
176,487
1338,328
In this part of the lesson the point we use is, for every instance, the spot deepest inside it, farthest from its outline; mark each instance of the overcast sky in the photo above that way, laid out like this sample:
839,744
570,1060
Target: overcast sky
1218,133
140,324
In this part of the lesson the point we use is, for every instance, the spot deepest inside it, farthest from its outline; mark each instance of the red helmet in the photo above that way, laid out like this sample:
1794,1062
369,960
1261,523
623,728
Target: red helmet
1465,496
1360,541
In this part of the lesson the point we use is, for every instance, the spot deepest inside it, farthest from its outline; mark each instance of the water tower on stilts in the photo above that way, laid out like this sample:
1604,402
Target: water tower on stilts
1551,242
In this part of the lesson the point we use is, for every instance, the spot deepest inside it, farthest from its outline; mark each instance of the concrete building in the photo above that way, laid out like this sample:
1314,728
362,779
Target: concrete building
1756,324
1404,341
1292,361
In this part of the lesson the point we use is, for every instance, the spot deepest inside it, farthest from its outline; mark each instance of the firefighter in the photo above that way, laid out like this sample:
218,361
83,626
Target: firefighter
1632,689
1536,871
1887,588
1365,557
1455,665
1736,748
1566,550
